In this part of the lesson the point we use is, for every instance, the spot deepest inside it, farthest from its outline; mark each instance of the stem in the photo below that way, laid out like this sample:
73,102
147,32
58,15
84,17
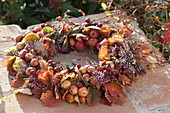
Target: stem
166,12
163,47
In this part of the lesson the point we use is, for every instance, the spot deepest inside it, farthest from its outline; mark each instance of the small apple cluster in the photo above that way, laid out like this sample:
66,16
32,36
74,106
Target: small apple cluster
29,62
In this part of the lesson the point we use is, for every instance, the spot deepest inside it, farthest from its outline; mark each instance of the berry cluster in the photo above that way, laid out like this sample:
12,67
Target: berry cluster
30,60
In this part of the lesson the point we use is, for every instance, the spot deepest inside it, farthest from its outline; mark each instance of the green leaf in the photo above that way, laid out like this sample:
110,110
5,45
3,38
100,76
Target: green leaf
65,6
16,10
30,20
93,97
92,7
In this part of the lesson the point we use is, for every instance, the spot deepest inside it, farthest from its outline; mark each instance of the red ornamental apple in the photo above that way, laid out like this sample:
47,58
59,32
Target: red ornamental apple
20,45
92,42
29,57
30,71
86,77
94,33
34,62
82,100
80,46
22,53
18,38
69,98
73,90
83,92
72,42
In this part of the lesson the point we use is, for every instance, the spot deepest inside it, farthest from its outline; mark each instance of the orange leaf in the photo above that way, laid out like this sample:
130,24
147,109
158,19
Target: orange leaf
43,65
48,98
126,80
117,99
46,77
105,31
103,53
17,82
113,89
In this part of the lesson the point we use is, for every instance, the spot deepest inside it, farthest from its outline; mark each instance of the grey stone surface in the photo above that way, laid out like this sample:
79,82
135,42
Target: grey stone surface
150,94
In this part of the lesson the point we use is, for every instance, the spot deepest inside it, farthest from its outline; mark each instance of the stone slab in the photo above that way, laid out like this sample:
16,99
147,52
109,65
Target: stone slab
150,94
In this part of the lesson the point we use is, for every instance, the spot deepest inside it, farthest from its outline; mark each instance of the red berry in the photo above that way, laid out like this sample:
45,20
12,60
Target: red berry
78,66
40,34
57,69
36,29
59,18
87,20
94,33
99,25
79,85
42,25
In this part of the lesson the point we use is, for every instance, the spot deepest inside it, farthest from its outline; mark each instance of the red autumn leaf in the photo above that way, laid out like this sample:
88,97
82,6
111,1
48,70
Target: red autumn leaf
166,36
17,82
117,100
46,77
113,88
48,98
105,31
103,99
126,80
37,92
114,93
93,97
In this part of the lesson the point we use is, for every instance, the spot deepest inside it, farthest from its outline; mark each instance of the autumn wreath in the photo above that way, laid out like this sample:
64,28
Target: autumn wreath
29,63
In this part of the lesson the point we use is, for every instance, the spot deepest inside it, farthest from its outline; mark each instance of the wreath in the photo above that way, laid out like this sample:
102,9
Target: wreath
30,65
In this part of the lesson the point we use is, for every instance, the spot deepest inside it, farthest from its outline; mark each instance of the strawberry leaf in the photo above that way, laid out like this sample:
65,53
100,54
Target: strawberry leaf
48,98
93,97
